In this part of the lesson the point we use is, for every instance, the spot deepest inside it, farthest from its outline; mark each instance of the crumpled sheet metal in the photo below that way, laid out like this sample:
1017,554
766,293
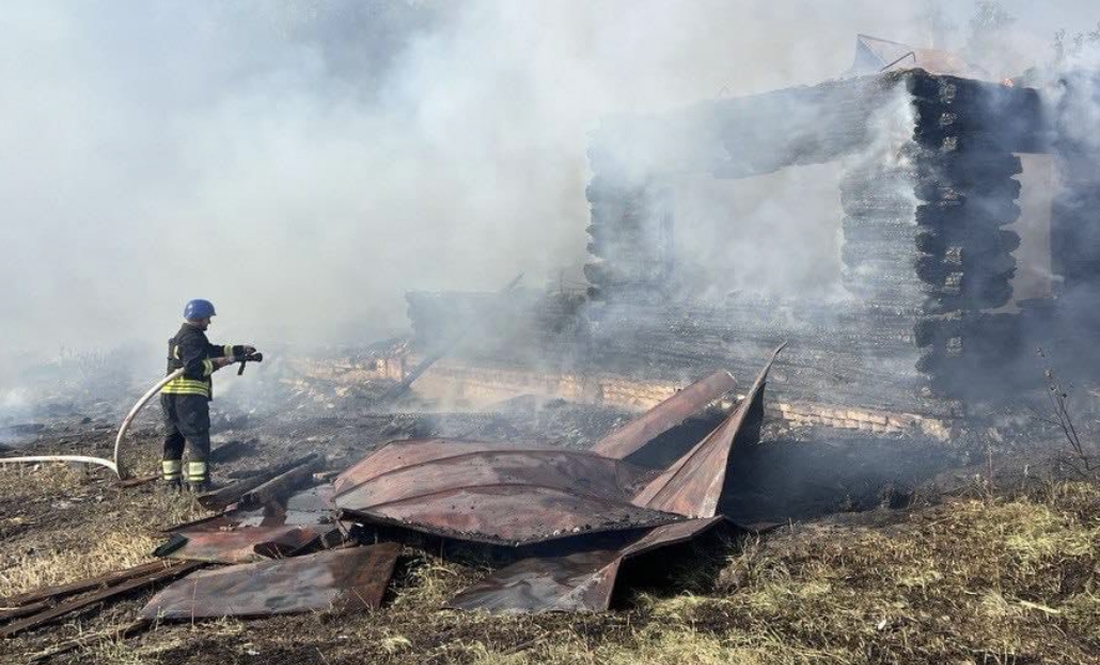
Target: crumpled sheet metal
454,466
245,544
671,534
309,507
342,581
246,536
494,493
688,402
509,515
405,454
416,453
693,485
578,582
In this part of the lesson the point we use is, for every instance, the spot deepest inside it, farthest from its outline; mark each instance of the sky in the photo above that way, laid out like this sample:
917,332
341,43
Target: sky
303,164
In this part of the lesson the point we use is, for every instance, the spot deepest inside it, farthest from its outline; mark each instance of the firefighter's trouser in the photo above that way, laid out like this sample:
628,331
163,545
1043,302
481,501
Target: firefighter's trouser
186,422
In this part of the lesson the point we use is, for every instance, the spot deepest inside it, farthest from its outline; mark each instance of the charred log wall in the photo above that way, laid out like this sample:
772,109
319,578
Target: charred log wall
923,226
630,239
838,355
633,158
924,231
926,255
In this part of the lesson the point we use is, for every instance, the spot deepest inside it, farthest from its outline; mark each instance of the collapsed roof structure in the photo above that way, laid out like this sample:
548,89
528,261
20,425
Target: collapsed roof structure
567,519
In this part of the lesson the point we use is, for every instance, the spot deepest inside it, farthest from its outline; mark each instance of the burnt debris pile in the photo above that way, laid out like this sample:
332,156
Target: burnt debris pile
299,537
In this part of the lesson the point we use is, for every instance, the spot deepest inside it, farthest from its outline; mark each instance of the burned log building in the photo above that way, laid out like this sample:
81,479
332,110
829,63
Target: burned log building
927,328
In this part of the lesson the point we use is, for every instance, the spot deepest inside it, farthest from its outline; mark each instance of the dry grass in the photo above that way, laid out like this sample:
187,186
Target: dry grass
983,581
67,524
995,581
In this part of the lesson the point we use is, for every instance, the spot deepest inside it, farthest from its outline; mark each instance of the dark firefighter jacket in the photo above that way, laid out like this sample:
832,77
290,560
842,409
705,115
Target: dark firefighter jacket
191,350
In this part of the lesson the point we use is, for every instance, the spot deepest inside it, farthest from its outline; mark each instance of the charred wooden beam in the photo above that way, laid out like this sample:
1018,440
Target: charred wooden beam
221,498
281,485
167,572
442,350
10,613
80,586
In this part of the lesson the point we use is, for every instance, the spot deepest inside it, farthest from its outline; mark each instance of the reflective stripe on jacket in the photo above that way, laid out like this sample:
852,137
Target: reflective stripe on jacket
193,352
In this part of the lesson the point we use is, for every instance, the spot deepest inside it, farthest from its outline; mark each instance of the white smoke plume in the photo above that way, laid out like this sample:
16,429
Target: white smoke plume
302,164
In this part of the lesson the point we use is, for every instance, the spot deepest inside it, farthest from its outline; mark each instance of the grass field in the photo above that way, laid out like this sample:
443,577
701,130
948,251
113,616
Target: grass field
998,577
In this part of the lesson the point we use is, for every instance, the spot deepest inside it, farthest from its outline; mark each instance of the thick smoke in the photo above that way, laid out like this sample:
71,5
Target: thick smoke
303,164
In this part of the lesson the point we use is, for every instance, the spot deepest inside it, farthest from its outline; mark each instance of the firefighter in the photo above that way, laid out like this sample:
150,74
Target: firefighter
186,399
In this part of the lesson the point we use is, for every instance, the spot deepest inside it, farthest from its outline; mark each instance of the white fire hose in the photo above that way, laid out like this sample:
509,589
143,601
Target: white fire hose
116,465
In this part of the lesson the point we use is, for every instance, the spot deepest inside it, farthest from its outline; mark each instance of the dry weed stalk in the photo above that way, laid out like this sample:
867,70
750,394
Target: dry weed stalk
1079,460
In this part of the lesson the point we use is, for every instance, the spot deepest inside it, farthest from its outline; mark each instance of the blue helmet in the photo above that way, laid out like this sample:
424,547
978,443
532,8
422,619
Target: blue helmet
199,309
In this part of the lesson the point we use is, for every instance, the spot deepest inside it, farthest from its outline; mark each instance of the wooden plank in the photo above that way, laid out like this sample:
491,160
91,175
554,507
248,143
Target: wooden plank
15,612
232,493
168,572
86,584
281,485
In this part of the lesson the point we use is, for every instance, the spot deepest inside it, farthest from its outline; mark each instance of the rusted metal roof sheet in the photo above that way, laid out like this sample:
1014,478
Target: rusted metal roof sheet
310,507
411,453
518,495
306,508
242,545
691,400
457,464
245,536
509,514
495,493
693,485
671,534
578,582
339,580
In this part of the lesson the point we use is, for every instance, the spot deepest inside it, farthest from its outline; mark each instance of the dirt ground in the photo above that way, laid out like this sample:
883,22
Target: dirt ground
877,551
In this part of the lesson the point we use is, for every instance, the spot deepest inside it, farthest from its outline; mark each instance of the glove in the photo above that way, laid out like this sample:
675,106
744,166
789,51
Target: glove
246,352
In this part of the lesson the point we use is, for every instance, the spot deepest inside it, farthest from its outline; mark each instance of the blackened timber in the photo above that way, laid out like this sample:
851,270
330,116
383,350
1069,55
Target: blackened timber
446,347
857,354
282,485
79,586
15,612
166,573
221,498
